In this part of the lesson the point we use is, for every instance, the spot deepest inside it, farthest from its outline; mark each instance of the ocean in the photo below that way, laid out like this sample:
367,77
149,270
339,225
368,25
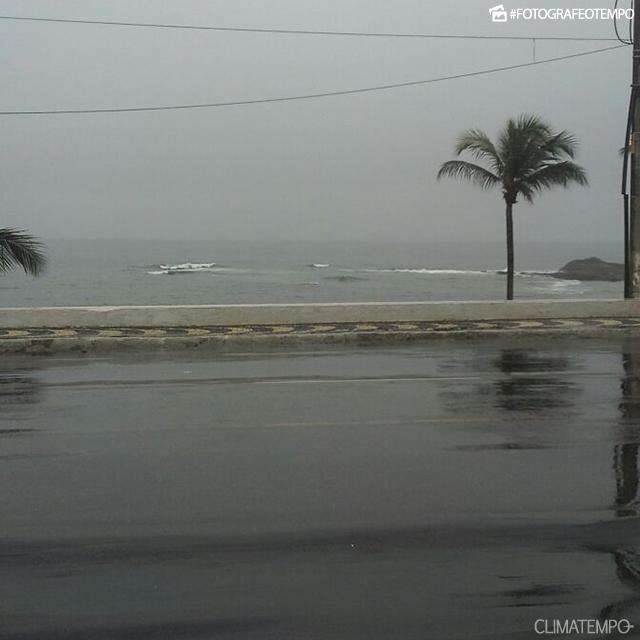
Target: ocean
143,272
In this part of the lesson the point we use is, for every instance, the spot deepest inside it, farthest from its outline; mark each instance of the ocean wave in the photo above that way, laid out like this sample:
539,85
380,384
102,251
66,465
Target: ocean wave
317,265
184,267
563,284
562,287
188,266
452,272
521,274
539,272
425,271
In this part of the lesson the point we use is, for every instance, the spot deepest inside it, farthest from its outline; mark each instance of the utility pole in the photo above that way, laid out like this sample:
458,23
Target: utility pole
634,217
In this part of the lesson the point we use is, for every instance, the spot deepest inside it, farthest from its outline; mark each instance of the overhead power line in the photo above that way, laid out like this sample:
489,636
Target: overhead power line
307,96
615,26
307,32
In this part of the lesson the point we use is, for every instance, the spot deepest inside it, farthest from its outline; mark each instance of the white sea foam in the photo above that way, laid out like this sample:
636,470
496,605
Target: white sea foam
540,272
452,272
561,287
563,284
185,267
188,266
434,272
524,274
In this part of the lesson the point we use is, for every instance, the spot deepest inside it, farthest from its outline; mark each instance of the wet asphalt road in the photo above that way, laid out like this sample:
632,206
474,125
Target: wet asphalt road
456,489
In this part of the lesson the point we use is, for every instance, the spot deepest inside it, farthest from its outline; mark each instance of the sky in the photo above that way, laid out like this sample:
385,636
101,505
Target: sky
355,167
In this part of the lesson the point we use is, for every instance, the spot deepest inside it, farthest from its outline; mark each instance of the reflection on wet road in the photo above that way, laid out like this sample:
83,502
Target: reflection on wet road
446,490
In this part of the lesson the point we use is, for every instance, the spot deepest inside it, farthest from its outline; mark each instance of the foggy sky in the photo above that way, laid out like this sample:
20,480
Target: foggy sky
352,167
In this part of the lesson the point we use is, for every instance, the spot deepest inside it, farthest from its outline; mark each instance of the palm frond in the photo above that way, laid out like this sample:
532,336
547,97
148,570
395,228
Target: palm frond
517,134
531,122
528,157
557,174
529,144
553,147
479,145
526,192
561,143
474,173
20,249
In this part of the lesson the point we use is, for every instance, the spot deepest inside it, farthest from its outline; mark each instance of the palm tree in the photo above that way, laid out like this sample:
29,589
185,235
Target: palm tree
19,249
528,158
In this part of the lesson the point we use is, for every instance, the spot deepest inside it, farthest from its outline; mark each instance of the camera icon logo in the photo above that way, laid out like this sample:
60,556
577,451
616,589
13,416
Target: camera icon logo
498,13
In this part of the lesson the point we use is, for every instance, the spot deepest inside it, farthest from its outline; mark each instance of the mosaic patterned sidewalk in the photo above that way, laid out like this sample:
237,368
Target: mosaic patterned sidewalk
376,328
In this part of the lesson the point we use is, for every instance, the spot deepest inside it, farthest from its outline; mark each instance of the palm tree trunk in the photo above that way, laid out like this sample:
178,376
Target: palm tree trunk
509,216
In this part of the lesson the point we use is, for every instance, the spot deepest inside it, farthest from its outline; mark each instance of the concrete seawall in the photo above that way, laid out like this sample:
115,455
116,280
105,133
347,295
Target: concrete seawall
265,314
85,329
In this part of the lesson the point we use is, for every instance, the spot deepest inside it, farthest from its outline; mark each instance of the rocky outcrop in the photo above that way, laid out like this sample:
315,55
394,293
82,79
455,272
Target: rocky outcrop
591,269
